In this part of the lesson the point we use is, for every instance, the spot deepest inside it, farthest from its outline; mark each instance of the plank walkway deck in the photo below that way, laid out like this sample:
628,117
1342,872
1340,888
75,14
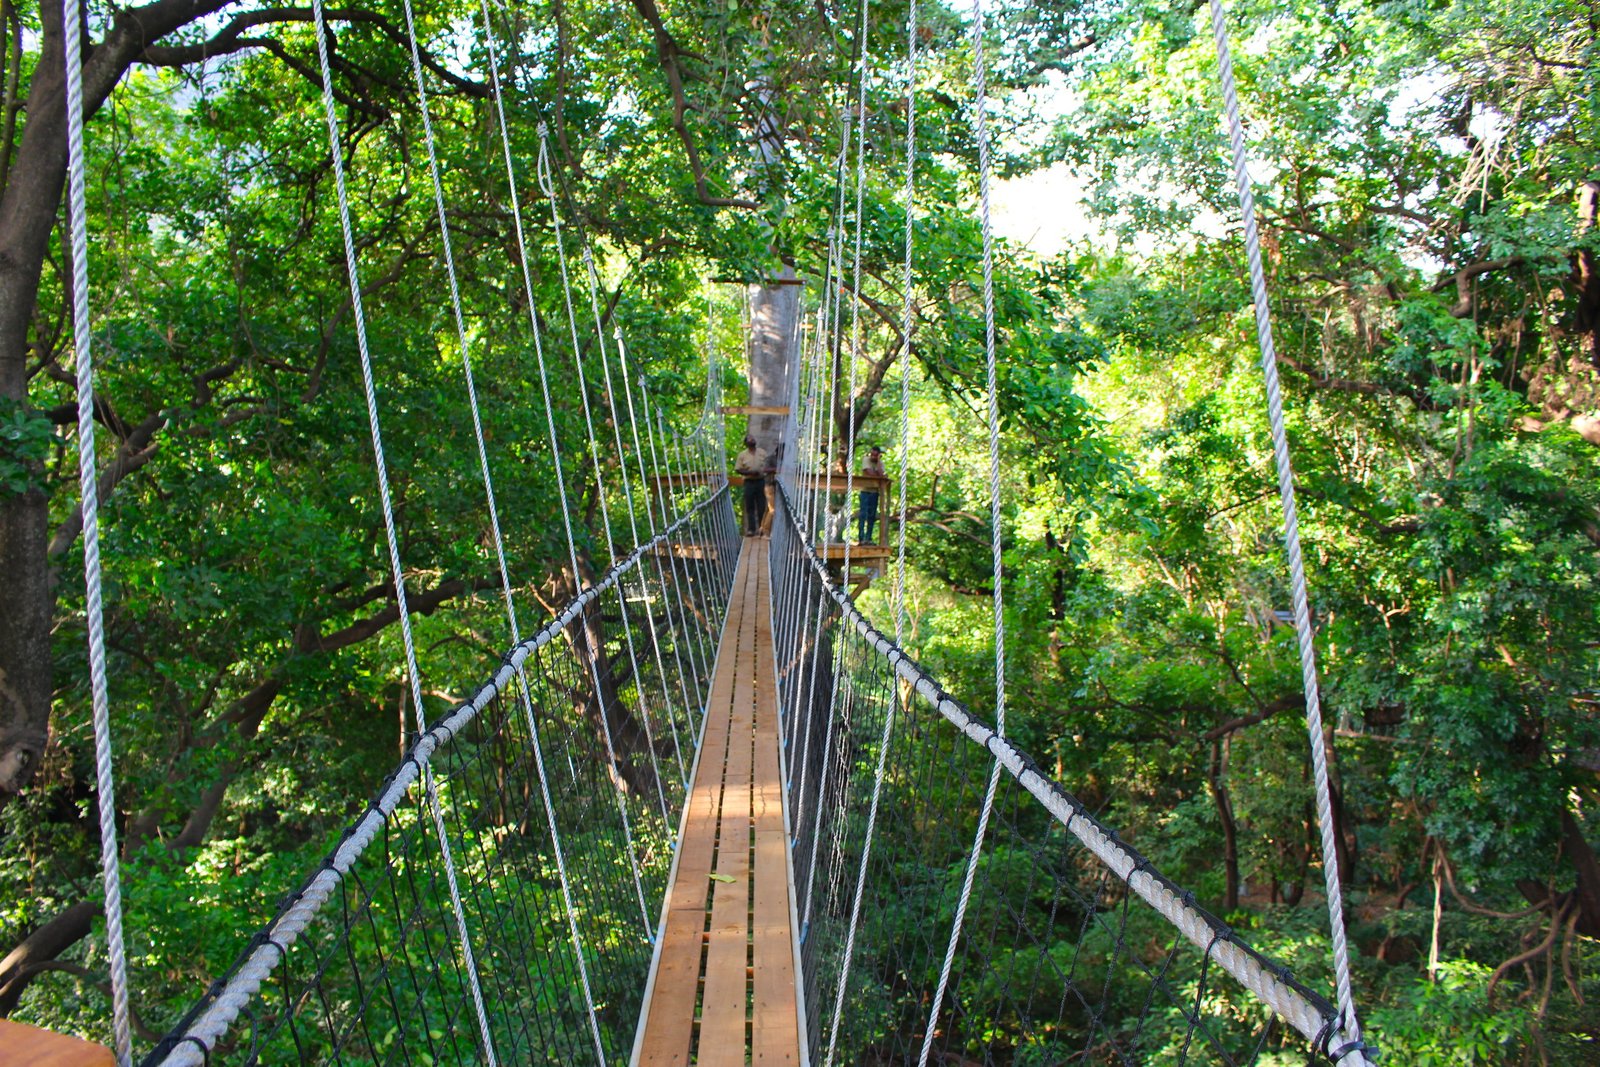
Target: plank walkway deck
722,988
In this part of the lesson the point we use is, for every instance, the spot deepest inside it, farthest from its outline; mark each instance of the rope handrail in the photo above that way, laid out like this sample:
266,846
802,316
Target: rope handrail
191,1041
1312,1015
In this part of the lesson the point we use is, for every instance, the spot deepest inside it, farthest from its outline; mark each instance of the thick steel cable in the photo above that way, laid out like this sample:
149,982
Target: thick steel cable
391,535
89,491
980,130
1291,537
887,735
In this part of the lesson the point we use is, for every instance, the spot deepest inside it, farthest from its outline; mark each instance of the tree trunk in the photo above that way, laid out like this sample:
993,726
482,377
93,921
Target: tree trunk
1230,829
27,215
774,316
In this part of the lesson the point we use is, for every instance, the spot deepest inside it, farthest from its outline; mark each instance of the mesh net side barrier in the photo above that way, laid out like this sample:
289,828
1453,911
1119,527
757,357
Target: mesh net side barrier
363,963
1073,949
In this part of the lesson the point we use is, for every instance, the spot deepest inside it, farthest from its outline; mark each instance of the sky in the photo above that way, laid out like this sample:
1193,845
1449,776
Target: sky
1043,210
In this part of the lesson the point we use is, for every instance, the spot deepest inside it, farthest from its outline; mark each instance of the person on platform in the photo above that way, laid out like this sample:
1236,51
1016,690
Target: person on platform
751,466
867,515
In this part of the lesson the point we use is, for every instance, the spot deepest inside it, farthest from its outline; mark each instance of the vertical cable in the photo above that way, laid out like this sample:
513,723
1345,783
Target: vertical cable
89,490
900,561
1291,529
547,185
336,150
555,453
980,129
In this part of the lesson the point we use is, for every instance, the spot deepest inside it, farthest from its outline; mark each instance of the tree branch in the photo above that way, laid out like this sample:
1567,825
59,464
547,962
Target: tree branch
667,53
231,39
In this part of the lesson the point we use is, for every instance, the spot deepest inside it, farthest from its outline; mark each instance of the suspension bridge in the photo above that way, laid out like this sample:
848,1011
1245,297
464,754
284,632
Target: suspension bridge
686,820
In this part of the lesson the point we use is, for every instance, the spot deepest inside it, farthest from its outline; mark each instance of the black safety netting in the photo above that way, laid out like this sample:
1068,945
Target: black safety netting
379,973
1057,960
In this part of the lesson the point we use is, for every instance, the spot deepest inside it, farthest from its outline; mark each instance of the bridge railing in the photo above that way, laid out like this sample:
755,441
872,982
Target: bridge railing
1072,947
557,789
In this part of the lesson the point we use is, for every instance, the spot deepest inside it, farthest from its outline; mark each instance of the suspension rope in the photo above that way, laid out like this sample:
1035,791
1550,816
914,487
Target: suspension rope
887,735
845,699
89,491
1291,537
547,186
525,691
650,521
633,527
980,130
566,516
336,149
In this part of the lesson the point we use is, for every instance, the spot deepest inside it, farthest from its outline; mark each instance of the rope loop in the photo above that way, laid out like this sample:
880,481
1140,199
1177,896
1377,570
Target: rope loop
547,184
190,1039
1324,1039
1368,1051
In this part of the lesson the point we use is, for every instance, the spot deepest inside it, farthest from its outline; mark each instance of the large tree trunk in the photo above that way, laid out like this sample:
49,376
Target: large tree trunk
774,316
27,215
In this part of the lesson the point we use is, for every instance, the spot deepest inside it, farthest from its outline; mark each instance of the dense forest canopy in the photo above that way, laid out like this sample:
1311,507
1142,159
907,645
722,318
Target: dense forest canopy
1428,193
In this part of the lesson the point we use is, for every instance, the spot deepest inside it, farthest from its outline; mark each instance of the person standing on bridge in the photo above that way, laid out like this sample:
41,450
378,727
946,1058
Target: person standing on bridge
750,466
867,519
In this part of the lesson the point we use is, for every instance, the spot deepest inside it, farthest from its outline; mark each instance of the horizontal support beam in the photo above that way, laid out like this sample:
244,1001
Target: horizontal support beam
754,409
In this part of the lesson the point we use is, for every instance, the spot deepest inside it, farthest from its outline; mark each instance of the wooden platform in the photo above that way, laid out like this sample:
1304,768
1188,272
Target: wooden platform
20,1045
834,552
722,988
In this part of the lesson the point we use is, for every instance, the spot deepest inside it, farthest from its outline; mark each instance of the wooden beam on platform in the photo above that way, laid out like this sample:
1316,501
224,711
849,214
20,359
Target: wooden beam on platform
754,409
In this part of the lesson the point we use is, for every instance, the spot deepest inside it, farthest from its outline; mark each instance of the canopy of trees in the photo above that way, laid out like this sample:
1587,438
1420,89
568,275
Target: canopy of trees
1429,196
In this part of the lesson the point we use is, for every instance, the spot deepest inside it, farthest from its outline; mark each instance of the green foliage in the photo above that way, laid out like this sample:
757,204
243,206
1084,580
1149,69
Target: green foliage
1416,165
1449,1020
26,440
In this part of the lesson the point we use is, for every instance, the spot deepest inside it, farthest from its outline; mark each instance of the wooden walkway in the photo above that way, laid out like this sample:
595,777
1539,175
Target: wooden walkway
722,989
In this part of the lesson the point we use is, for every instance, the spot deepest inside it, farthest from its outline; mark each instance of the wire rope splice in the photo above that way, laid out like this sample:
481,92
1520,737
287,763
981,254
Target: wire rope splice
1352,1051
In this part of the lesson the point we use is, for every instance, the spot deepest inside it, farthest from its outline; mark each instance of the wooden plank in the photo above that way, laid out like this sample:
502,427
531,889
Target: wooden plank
724,1003
754,409
669,1026
21,1044
774,1028
774,1025
747,1003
